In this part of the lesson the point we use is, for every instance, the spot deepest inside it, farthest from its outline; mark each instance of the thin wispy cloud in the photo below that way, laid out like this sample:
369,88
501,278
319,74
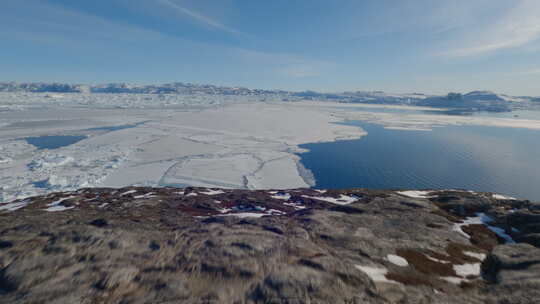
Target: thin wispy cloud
201,18
531,72
49,23
288,65
519,27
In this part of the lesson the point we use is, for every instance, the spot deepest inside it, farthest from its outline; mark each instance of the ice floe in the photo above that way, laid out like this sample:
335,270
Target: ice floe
206,141
50,161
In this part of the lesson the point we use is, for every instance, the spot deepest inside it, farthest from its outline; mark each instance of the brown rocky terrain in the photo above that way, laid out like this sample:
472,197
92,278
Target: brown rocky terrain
198,245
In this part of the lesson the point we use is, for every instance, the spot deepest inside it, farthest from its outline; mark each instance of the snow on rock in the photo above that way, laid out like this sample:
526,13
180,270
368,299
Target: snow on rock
376,274
245,214
147,195
467,270
437,260
212,192
503,197
281,196
415,194
501,233
57,205
14,206
5,160
128,192
482,219
397,260
58,208
454,280
479,256
294,205
342,200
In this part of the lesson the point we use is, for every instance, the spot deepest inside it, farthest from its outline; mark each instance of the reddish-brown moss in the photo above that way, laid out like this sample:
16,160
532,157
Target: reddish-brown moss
423,264
481,236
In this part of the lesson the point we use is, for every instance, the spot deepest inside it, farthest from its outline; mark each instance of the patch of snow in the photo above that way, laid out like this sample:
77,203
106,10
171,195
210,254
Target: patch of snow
296,206
55,206
275,212
14,206
454,280
282,196
482,219
479,256
416,194
5,160
397,260
147,195
192,194
479,219
212,192
437,260
128,192
376,274
58,208
245,214
503,197
501,233
467,269
342,200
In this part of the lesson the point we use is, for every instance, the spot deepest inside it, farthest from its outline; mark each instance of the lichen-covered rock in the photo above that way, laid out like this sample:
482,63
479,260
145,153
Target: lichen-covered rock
514,273
195,245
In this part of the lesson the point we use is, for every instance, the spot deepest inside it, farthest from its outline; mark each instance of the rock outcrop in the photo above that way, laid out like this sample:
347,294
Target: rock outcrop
198,245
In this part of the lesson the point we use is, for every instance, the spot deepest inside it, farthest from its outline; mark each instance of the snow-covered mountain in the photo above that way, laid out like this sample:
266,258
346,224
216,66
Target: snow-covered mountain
476,100
169,88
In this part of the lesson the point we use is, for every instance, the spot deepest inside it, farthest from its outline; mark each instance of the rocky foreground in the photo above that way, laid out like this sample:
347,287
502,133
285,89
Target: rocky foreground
198,245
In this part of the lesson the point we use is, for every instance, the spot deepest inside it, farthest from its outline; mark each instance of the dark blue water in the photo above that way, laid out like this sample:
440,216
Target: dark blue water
491,159
515,114
53,141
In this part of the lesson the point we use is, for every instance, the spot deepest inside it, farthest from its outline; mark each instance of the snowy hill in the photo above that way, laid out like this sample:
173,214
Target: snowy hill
472,101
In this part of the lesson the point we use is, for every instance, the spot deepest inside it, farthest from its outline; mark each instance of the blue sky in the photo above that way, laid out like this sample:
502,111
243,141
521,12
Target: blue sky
390,45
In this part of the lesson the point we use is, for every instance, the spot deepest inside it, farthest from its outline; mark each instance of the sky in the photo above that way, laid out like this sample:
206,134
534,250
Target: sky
329,46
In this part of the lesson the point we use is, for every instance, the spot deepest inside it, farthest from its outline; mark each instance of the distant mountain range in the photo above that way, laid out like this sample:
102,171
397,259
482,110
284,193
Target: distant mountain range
473,101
